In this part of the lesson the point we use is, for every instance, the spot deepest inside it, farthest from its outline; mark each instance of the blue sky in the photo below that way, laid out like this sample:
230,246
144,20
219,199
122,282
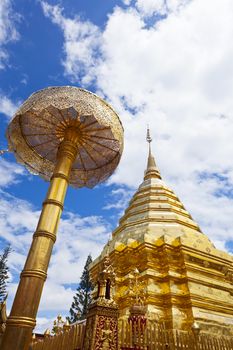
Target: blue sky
166,63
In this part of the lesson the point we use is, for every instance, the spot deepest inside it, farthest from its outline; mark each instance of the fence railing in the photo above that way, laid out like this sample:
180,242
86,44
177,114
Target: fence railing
71,339
139,337
155,337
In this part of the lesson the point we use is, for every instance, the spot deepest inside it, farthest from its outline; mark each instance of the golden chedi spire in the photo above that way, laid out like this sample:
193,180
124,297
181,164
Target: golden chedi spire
155,212
151,170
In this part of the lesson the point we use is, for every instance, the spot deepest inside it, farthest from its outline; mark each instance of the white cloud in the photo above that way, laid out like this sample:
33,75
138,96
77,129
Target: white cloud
16,226
10,172
43,323
82,39
7,29
175,74
149,7
77,237
7,106
119,199
56,297
8,32
160,7
127,2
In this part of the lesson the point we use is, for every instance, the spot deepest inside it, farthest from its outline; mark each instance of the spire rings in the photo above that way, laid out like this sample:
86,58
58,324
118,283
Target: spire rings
148,137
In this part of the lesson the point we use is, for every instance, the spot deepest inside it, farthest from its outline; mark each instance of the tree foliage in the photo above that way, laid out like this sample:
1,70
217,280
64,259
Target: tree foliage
82,297
4,272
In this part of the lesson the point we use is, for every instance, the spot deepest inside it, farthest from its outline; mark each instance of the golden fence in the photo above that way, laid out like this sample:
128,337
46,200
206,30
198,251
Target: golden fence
71,339
155,337
139,337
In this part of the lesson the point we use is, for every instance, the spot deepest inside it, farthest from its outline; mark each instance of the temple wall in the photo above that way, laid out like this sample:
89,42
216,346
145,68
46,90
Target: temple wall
179,285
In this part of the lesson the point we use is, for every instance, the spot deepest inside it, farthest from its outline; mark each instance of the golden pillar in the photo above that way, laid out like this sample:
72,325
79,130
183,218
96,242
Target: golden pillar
45,137
22,319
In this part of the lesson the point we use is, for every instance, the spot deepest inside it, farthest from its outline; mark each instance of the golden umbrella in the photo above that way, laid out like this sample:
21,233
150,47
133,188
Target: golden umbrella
66,135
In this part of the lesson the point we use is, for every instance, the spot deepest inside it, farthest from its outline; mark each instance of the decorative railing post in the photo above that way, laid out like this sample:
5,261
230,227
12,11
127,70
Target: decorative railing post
137,321
102,318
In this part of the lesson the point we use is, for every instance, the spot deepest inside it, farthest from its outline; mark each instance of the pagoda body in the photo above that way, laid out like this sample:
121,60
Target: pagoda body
184,281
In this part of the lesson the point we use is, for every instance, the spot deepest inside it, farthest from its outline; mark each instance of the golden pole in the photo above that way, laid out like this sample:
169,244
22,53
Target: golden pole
22,319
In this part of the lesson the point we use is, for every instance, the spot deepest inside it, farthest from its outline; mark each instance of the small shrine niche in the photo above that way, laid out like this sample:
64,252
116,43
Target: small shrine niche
108,289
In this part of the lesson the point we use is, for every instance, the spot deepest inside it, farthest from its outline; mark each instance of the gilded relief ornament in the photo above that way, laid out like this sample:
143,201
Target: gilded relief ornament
107,337
136,288
109,334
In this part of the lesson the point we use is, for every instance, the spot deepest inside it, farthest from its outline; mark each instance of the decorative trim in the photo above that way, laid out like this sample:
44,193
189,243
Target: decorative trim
155,220
54,202
59,175
20,321
46,234
34,273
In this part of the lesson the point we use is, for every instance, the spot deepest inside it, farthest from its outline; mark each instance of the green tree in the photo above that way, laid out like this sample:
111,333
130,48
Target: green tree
82,297
4,272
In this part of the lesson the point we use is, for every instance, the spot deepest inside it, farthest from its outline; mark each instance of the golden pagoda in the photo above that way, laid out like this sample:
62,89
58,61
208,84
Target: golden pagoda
183,281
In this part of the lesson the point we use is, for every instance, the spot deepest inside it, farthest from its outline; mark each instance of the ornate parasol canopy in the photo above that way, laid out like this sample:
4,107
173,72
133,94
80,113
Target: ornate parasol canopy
39,125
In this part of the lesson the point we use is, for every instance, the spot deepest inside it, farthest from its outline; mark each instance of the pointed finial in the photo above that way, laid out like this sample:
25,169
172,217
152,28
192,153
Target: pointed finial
152,170
66,325
47,332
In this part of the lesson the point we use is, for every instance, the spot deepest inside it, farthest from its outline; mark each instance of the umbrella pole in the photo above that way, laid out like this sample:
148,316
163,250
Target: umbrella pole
22,319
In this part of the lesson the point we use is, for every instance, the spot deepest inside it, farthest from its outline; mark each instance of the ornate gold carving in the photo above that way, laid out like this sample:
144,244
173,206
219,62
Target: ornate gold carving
229,274
137,288
42,121
101,327
102,317
107,334
206,263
